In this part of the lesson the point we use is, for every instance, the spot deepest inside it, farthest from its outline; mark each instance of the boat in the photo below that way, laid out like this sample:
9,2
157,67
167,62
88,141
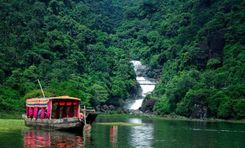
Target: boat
61,113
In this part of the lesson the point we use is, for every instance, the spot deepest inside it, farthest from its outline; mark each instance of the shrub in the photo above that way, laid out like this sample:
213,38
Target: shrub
225,109
239,108
162,106
9,100
193,98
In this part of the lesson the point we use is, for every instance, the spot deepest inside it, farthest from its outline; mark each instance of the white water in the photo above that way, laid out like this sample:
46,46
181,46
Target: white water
141,136
147,86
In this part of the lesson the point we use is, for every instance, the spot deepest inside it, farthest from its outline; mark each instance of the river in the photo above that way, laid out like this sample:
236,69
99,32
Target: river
156,133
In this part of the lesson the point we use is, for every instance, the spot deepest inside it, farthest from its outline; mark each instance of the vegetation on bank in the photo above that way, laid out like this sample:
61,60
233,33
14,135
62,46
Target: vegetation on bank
195,48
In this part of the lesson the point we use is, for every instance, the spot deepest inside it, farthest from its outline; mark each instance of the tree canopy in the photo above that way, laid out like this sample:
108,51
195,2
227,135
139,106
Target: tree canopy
82,48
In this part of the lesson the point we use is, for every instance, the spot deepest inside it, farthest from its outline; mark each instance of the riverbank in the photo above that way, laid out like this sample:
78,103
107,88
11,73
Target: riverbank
167,117
7,125
17,115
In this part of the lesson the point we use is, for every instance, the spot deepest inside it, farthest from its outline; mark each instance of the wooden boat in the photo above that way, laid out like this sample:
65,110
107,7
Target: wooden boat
62,113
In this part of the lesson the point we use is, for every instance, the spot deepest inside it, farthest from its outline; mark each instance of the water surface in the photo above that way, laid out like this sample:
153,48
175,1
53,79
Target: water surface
153,133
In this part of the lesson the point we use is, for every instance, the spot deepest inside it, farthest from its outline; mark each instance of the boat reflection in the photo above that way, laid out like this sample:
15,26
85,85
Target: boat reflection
40,138
35,138
113,135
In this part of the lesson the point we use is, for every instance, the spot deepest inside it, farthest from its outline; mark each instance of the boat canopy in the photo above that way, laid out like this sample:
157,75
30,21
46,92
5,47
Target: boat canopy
53,107
42,102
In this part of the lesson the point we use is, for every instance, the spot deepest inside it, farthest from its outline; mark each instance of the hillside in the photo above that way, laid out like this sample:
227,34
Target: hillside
196,50
82,48
68,46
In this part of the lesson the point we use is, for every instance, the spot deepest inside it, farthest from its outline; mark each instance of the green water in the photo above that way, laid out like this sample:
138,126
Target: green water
152,133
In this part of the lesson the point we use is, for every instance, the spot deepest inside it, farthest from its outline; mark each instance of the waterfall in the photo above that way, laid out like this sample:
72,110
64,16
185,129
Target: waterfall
146,85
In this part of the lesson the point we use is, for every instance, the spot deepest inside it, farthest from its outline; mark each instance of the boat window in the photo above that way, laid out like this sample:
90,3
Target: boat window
64,109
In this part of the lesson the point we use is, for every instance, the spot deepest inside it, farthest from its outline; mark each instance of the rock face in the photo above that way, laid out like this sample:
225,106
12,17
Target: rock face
104,108
153,73
110,108
148,105
199,111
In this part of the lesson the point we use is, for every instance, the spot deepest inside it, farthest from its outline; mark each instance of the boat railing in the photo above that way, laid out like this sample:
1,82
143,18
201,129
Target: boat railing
88,110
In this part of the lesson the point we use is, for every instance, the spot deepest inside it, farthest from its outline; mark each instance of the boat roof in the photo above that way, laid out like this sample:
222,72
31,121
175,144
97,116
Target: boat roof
51,98
64,97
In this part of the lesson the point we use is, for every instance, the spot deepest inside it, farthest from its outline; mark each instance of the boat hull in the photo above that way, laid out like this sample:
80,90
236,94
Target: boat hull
59,124
69,124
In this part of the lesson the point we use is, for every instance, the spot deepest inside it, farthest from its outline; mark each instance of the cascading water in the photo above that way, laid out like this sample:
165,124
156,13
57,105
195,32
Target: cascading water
146,85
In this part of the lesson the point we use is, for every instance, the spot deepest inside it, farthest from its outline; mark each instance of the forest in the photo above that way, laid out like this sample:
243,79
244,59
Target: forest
83,48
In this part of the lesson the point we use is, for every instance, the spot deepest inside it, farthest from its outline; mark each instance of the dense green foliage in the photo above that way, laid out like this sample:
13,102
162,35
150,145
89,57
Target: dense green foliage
195,48
67,45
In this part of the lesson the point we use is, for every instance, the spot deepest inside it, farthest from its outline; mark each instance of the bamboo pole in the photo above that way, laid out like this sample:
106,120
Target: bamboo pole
84,127
41,87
